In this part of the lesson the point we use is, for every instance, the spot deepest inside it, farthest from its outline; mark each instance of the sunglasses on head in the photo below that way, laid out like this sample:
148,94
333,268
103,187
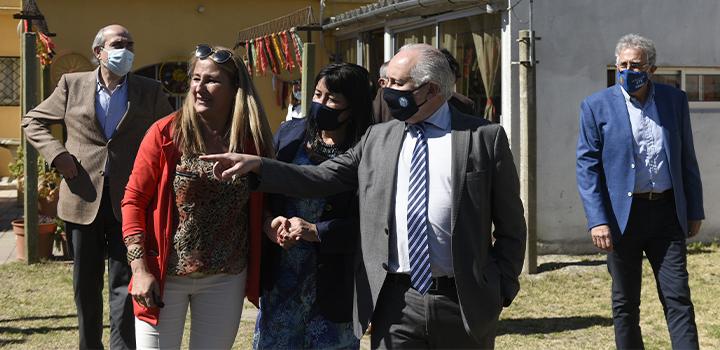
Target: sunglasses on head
204,51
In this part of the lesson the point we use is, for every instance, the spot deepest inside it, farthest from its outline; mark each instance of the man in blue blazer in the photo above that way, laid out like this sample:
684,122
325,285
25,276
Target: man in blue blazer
640,185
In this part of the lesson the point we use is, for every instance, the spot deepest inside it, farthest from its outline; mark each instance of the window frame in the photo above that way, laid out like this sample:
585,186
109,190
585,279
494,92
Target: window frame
684,71
17,62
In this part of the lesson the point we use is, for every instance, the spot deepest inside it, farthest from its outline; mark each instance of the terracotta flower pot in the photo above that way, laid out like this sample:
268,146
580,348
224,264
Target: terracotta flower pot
45,239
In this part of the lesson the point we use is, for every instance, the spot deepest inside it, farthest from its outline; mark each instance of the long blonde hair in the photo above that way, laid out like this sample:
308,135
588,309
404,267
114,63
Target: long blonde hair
248,115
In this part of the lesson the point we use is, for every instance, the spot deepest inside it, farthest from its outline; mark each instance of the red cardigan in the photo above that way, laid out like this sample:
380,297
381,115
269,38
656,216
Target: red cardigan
149,207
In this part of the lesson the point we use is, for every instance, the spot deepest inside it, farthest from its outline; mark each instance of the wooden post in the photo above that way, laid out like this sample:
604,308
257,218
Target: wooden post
528,147
308,77
30,99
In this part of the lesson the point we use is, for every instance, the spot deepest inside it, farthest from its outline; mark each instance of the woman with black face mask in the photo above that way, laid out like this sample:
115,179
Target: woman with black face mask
307,278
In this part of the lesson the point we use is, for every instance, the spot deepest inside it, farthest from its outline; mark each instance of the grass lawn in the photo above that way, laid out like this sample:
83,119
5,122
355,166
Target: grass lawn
566,306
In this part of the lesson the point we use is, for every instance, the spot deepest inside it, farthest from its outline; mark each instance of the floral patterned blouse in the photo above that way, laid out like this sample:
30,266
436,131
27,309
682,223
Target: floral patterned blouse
212,221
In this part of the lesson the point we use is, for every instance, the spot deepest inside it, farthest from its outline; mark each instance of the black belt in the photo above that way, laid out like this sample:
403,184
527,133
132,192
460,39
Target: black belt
439,285
654,196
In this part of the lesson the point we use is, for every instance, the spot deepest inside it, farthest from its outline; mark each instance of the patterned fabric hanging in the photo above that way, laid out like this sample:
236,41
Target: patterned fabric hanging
261,55
248,52
278,54
286,51
273,63
298,48
255,58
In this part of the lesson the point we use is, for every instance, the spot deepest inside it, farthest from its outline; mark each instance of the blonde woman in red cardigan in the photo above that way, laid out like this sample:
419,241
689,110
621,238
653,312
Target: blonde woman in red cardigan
193,240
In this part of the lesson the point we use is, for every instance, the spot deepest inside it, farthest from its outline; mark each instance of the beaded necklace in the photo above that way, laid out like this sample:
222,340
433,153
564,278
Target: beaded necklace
319,151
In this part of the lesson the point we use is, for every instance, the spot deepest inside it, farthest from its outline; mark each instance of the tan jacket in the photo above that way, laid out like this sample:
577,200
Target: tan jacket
73,104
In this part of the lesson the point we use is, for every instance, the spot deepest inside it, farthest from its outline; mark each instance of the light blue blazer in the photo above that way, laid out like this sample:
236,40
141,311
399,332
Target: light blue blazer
605,170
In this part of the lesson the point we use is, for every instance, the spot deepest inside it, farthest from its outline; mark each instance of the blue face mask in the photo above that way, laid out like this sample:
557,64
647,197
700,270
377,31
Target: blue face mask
631,80
119,61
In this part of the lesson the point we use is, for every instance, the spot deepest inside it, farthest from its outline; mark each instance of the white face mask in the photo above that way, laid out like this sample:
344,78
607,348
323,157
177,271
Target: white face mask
297,95
119,61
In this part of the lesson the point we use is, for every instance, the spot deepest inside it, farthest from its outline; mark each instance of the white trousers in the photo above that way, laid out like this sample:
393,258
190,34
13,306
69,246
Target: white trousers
216,304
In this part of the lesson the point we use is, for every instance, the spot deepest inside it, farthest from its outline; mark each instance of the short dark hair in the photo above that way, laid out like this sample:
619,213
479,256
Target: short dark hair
454,65
354,83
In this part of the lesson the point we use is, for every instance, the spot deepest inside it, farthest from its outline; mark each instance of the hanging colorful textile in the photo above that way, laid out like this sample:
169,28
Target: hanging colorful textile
286,51
262,59
249,58
278,53
255,56
273,63
298,47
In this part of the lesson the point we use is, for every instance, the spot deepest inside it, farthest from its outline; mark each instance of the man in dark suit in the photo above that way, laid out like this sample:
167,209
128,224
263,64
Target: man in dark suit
381,113
106,113
640,184
463,103
431,184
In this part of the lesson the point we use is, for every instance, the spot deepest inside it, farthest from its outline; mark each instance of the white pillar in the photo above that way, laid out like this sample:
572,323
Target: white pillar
509,83
388,45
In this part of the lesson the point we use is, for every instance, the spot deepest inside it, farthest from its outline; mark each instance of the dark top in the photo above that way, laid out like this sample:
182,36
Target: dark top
338,229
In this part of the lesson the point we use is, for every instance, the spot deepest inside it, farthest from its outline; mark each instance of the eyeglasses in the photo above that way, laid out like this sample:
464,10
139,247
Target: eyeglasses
631,65
203,51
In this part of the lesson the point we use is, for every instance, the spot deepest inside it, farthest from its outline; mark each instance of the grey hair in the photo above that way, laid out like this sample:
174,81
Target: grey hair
383,69
99,41
432,66
636,41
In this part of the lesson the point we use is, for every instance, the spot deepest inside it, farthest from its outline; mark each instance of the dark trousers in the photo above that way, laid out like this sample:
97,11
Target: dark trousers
405,319
653,228
91,244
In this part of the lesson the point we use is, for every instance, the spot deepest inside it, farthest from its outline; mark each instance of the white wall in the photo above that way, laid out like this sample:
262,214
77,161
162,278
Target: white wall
578,41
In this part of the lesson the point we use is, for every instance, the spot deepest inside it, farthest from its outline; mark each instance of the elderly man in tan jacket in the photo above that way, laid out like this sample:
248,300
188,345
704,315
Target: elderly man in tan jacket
106,113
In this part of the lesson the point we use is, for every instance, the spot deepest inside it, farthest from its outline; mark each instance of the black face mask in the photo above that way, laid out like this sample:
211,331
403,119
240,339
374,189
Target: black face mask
401,103
326,118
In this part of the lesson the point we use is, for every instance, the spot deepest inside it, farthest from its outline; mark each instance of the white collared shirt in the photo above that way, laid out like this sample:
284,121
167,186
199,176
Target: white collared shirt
439,141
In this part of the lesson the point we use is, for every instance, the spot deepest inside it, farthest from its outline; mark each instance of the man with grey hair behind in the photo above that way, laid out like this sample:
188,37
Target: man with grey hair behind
106,113
432,182
640,185
381,113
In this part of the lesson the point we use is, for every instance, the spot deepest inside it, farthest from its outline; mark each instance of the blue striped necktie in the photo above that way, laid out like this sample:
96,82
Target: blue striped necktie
417,217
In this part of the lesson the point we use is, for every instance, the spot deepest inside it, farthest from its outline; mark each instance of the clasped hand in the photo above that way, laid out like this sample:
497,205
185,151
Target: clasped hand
288,232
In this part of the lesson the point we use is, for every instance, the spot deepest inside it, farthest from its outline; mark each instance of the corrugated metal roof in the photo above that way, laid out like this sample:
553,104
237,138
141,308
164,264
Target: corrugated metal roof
389,9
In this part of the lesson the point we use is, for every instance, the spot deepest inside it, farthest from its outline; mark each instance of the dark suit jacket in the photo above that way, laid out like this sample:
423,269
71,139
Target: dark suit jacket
73,104
485,191
605,157
463,103
338,229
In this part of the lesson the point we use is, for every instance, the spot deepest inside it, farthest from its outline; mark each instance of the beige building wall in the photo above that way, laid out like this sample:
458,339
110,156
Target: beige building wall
9,46
168,30
163,30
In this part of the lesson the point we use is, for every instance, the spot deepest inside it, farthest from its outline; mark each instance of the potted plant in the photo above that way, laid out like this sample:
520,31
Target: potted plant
48,191
47,232
48,182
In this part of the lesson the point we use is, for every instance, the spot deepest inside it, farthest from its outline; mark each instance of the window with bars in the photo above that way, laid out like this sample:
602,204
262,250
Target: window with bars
9,81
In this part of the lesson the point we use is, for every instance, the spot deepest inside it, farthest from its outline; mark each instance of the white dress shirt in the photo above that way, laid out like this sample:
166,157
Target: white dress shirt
293,112
439,142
